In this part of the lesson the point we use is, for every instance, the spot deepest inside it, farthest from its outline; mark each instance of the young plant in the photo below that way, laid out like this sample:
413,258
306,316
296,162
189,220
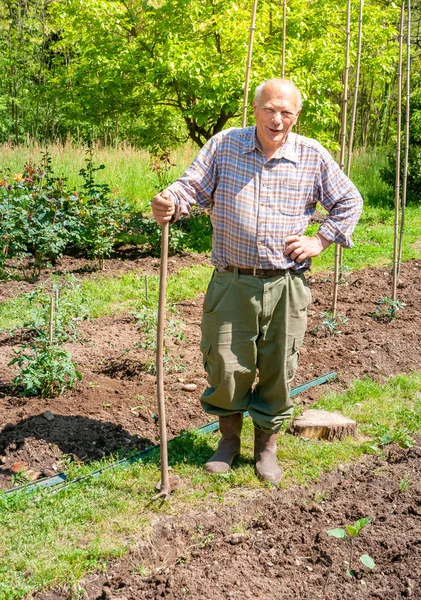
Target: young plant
46,368
331,324
386,309
349,535
45,371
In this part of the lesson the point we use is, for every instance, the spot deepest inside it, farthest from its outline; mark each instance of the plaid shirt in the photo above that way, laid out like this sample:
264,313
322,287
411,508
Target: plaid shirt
255,202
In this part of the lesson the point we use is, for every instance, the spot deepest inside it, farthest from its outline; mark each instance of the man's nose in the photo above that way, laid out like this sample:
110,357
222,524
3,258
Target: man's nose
277,117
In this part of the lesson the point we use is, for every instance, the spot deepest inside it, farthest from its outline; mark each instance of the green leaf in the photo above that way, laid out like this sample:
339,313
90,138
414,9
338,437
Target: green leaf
352,531
362,523
337,533
367,561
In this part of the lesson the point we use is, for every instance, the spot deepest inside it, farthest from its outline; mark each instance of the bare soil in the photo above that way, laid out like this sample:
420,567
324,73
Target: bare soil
284,551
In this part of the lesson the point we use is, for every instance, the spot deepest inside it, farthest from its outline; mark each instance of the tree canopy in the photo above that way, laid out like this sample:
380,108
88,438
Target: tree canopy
158,72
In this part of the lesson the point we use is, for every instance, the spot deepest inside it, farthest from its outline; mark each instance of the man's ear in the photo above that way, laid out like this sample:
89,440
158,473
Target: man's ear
254,107
296,116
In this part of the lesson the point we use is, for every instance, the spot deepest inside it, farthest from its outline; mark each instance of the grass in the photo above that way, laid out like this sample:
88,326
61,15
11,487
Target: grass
49,539
104,295
126,168
373,240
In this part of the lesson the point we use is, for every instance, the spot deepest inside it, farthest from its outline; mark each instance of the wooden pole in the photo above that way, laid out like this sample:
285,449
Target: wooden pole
336,270
165,482
248,66
51,328
398,160
356,88
407,115
284,35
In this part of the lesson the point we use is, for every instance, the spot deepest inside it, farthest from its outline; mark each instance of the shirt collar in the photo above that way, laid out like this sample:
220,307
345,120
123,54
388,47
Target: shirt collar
287,151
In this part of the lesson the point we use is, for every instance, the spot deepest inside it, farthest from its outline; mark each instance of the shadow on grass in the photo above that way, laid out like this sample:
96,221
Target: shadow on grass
88,440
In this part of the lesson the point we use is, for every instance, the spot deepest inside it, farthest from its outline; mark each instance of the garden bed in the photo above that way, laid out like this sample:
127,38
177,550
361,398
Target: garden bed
283,551
114,407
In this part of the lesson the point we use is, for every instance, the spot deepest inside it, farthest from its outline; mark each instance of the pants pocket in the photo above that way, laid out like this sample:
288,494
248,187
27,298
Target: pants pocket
293,356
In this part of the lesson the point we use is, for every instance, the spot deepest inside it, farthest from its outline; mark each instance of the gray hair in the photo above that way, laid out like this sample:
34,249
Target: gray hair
259,90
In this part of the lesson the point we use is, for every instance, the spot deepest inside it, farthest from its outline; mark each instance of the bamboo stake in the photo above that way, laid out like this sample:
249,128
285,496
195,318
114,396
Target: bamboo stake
248,67
336,270
356,88
164,484
407,115
398,160
51,319
284,35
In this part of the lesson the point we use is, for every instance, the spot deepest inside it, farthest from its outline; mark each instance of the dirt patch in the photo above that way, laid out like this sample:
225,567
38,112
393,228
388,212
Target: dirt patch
114,408
276,545
281,549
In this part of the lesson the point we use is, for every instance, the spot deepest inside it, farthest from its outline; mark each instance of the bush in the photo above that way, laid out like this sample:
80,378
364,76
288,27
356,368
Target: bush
41,217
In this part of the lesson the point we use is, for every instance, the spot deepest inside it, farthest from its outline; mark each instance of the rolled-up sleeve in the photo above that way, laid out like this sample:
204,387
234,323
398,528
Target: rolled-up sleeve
343,202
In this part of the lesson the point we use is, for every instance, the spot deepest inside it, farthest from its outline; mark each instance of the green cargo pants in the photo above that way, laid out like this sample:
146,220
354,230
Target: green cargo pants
251,325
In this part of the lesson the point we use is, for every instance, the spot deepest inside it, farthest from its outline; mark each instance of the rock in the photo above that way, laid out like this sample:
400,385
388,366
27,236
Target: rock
19,466
49,473
2,460
189,387
32,475
236,538
48,415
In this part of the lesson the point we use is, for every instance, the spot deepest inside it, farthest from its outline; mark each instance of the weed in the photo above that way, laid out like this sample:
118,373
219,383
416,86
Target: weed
405,484
349,534
386,309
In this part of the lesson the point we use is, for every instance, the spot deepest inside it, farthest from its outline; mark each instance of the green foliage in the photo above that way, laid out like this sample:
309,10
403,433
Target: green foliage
101,216
41,218
45,370
157,73
413,181
69,310
349,534
146,323
330,323
387,309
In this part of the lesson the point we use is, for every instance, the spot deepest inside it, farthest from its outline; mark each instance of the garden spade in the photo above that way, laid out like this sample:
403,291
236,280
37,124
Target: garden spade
167,483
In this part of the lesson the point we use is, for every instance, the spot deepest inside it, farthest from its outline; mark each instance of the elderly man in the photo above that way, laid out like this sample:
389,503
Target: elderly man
261,185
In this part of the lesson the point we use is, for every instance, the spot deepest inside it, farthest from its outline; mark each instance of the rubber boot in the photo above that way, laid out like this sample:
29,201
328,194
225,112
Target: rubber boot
265,456
229,444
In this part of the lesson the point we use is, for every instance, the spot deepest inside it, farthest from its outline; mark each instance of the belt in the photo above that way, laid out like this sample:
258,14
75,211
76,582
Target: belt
258,272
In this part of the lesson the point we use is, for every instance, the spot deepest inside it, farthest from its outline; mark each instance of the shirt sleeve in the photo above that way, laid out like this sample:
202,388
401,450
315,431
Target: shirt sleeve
196,186
339,196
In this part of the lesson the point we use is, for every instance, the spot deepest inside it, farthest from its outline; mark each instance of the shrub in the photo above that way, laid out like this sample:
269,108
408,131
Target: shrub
41,217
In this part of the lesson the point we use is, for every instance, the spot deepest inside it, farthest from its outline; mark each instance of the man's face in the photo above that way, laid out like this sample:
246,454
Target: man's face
275,114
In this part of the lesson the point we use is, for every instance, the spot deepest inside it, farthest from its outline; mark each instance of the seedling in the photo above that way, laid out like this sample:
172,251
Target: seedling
404,484
349,534
386,309
345,272
331,323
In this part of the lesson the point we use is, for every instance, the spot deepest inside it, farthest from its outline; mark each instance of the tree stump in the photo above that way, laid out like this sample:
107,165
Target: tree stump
323,425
